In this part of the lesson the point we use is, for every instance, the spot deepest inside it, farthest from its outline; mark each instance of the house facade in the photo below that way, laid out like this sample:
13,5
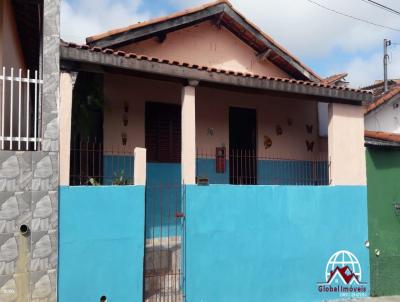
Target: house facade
213,130
29,83
189,163
383,114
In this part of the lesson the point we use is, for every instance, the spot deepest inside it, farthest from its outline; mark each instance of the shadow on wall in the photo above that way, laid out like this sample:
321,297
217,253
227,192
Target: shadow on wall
384,159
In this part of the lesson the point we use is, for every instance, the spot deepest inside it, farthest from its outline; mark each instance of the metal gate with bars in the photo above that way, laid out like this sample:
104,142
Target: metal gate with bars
164,253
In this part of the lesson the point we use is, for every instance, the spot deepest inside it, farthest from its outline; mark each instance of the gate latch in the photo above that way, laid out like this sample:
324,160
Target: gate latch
179,215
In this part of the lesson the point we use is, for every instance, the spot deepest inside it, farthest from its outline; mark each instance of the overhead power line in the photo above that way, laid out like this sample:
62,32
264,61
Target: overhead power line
377,4
352,17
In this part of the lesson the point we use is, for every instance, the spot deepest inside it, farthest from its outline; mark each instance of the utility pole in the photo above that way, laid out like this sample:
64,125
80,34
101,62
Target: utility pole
386,44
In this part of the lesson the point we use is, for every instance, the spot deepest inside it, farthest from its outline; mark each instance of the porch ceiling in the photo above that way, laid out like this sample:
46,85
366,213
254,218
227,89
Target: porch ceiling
95,59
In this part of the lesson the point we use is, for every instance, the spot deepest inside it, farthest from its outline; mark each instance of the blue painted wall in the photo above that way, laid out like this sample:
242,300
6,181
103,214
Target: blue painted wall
101,243
270,243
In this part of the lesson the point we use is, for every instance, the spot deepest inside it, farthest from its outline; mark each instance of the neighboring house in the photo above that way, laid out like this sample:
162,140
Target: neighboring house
384,113
29,83
216,125
383,175
382,141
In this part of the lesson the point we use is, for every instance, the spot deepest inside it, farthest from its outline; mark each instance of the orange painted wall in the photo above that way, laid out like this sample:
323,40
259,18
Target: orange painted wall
206,45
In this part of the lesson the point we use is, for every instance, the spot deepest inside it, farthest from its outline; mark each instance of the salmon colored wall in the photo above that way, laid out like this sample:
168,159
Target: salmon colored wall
135,92
346,144
205,44
212,111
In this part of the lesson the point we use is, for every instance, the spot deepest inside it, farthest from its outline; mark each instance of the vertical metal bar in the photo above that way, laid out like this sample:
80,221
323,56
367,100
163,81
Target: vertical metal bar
169,200
93,158
35,114
242,168
246,172
124,156
3,89
40,107
19,107
255,170
238,167
101,178
11,107
161,239
28,76
153,245
80,161
74,161
176,274
234,164
249,166
87,160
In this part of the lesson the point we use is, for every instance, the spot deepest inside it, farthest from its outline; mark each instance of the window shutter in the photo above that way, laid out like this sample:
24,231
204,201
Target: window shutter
163,132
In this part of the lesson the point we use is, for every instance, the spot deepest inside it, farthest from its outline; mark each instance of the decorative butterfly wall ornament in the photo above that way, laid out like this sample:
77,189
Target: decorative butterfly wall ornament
310,146
267,142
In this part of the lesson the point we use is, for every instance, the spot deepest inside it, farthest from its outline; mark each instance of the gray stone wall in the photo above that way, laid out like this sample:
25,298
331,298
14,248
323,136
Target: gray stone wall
29,192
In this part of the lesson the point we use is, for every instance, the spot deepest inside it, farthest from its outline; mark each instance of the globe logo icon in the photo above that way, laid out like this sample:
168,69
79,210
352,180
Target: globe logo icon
342,259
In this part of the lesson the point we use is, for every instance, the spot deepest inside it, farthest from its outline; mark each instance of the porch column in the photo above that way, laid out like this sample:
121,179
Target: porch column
346,145
139,174
67,81
189,133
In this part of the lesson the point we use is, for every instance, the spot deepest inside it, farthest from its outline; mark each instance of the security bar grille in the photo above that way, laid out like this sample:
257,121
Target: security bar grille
20,109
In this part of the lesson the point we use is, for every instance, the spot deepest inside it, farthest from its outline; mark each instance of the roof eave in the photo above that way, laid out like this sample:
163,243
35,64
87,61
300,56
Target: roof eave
311,90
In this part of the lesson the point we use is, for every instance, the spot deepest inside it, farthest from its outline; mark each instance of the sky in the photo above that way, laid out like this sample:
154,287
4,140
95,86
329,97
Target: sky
327,42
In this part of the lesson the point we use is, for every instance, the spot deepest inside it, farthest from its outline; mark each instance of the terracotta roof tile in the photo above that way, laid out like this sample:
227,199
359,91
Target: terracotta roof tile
383,99
154,21
384,136
334,78
209,69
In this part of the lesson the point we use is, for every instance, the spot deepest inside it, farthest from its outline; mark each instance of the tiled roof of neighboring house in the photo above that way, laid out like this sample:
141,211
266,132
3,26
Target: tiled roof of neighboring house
227,15
385,136
206,68
334,78
383,99
153,21
381,139
379,83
